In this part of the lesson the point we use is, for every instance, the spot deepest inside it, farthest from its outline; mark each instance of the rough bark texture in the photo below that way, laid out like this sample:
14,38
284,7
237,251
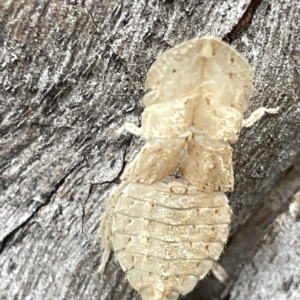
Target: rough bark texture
71,73
274,270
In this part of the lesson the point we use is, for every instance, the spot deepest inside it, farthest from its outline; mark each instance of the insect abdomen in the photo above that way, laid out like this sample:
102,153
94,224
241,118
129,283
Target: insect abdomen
164,244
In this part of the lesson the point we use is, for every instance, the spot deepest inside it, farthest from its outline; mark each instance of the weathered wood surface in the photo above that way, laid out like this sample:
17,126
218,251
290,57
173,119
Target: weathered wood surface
71,73
274,271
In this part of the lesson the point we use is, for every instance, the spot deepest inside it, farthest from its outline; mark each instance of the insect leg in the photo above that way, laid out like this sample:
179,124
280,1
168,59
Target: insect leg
258,114
220,273
131,128
105,227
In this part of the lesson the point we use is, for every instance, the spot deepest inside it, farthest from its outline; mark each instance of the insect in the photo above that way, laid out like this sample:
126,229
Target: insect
167,231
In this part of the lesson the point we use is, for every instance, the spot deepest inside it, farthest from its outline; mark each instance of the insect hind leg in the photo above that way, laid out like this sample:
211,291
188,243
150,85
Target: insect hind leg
106,225
258,114
131,128
104,260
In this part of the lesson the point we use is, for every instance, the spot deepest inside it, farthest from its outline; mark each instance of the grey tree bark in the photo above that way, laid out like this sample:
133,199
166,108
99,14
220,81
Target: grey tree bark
71,73
274,270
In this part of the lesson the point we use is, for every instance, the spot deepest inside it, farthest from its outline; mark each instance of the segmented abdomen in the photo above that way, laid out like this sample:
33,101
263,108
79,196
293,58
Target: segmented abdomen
167,241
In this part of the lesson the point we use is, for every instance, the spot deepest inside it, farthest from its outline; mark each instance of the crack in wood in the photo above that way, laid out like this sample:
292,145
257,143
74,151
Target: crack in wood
115,180
243,23
11,234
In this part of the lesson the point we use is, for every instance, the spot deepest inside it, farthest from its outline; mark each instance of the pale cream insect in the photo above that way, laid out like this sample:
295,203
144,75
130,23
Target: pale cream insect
167,232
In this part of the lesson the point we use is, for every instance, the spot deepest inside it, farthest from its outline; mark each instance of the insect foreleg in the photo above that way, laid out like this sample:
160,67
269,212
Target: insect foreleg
258,114
131,128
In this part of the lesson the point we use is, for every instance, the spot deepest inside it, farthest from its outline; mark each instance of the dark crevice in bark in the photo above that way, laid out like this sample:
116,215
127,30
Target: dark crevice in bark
10,235
92,18
115,180
261,223
85,201
244,22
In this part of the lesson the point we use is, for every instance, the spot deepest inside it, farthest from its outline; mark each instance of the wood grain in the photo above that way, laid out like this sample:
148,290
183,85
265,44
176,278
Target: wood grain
71,73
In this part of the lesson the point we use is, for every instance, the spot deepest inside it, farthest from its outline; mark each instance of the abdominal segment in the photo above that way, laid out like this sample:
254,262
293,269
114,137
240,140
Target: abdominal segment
164,244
